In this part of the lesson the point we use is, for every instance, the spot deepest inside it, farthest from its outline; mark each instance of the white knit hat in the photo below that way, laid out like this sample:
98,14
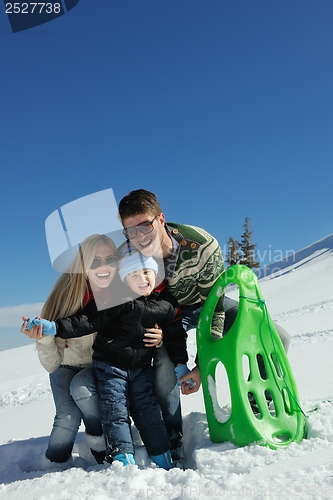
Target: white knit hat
133,262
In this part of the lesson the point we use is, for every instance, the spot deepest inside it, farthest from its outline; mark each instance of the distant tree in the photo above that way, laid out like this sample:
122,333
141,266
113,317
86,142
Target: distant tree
248,249
233,252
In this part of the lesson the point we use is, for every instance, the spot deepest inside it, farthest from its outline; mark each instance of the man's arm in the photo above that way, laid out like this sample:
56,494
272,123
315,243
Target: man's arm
210,272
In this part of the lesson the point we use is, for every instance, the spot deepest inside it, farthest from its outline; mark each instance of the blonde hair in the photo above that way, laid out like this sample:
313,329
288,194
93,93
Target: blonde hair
67,295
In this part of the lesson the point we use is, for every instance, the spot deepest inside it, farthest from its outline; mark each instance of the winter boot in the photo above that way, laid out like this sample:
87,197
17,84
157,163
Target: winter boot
46,464
97,447
164,460
98,455
177,449
125,458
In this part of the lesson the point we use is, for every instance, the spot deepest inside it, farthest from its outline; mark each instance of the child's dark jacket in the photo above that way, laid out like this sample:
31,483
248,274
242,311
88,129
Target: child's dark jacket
121,329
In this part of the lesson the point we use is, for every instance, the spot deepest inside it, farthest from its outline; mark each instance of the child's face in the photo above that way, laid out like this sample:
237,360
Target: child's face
142,282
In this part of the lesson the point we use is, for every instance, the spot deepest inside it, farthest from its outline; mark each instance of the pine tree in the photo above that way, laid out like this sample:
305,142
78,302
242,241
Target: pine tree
248,249
233,252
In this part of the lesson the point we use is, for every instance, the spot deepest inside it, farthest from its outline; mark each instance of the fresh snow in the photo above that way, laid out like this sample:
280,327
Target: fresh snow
299,297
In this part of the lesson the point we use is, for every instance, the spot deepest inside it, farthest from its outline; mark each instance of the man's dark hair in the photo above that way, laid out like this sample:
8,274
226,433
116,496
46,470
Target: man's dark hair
139,201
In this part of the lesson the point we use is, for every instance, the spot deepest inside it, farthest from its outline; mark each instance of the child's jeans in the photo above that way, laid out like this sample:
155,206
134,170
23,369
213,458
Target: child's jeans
123,393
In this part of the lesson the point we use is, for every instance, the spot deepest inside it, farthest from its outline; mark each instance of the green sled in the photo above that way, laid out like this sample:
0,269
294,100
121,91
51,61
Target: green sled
251,343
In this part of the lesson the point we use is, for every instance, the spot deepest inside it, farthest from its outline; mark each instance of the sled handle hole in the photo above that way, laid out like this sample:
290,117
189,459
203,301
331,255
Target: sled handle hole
246,367
286,401
281,438
254,405
261,366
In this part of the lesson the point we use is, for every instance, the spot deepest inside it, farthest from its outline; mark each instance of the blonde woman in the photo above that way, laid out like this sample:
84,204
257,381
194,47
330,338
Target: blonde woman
69,362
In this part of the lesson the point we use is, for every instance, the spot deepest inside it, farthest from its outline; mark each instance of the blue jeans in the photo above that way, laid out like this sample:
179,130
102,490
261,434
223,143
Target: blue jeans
167,392
75,397
123,393
166,387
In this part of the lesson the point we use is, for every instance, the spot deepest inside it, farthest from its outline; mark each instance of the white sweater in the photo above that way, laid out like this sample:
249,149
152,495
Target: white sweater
53,351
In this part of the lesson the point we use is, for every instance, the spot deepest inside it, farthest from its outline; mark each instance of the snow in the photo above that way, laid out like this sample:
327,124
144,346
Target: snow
299,297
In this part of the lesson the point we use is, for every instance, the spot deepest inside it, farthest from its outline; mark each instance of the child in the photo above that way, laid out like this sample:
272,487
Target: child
122,362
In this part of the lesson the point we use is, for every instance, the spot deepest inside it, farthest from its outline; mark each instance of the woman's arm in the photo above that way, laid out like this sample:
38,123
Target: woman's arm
49,353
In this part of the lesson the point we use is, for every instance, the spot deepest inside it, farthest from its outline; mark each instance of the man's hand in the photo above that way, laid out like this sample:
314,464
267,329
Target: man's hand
195,376
153,337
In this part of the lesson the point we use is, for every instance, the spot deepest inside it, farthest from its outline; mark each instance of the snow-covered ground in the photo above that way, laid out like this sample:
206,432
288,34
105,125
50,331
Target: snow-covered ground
300,298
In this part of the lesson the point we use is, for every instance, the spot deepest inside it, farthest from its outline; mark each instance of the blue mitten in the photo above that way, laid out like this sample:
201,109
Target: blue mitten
181,370
30,323
49,327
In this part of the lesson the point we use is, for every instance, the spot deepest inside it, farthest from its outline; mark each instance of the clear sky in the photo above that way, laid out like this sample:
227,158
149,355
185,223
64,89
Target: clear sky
223,108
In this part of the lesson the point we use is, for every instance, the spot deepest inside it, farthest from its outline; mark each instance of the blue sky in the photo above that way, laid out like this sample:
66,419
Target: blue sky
224,109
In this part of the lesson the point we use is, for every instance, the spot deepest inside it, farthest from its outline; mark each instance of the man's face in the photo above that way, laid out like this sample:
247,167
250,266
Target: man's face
147,243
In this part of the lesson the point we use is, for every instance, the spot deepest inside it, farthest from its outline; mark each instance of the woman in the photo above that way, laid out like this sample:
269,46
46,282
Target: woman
69,362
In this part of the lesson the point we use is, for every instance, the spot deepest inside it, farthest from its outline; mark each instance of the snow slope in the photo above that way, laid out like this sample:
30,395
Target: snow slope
300,298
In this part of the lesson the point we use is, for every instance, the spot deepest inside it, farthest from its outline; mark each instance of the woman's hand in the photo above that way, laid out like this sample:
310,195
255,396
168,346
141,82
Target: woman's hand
153,337
36,332
195,376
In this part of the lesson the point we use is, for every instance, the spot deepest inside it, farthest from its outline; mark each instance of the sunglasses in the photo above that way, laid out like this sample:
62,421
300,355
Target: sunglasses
145,228
111,261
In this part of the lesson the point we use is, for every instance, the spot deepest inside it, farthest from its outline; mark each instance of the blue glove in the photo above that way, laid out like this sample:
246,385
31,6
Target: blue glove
181,370
30,323
49,327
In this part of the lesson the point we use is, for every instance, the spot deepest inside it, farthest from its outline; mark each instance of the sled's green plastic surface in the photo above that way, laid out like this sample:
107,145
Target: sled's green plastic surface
251,341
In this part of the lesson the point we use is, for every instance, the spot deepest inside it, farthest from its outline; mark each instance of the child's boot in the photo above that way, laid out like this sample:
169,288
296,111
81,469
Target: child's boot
125,458
164,460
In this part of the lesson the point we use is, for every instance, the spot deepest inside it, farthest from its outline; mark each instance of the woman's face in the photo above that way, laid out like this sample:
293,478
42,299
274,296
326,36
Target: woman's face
102,276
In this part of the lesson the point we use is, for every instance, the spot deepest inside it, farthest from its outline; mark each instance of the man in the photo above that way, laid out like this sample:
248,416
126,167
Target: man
192,263
192,258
